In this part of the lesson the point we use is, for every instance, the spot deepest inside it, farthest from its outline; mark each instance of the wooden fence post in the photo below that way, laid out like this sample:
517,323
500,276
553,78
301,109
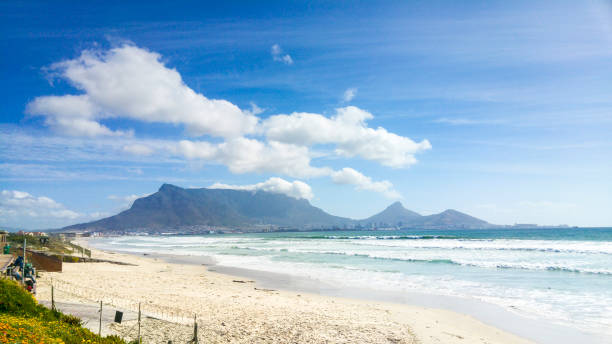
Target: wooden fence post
139,339
195,329
100,324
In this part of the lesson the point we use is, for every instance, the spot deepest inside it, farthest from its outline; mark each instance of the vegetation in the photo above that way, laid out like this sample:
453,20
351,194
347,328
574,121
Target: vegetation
23,320
52,245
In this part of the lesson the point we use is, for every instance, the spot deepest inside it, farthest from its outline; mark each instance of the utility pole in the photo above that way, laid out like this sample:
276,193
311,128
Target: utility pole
23,261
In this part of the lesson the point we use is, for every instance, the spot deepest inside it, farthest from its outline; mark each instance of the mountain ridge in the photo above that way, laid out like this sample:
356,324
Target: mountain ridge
175,209
394,214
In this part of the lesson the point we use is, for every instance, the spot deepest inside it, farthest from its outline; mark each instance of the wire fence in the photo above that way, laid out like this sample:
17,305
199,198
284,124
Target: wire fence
144,321
166,313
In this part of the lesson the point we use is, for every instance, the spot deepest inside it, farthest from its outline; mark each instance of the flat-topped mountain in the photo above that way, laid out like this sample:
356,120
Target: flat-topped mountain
174,209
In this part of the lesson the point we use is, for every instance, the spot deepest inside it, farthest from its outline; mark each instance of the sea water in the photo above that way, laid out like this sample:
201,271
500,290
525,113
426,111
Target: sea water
561,275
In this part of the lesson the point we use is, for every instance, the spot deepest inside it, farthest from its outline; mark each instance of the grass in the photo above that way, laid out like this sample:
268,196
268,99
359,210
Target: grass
23,320
53,245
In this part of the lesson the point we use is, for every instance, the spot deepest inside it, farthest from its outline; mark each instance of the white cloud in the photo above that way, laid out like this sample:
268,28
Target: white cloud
138,149
21,209
243,155
349,94
277,55
126,201
350,176
295,189
132,82
255,110
348,130
71,115
14,199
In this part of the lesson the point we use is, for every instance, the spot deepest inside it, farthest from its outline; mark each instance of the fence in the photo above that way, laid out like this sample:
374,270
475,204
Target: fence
79,249
148,322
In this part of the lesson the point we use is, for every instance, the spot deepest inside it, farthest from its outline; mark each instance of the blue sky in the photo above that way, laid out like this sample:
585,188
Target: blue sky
498,109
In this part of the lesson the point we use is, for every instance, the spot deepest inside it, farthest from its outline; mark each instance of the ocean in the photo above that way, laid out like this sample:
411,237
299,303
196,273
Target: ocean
561,275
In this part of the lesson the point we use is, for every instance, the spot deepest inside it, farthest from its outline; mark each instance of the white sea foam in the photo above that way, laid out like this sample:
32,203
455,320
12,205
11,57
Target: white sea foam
567,282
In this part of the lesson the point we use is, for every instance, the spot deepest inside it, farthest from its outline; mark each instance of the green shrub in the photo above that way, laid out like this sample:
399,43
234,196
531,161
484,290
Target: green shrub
15,300
71,319
22,320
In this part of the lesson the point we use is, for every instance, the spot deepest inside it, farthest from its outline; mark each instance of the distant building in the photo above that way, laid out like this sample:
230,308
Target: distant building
71,235
31,233
525,225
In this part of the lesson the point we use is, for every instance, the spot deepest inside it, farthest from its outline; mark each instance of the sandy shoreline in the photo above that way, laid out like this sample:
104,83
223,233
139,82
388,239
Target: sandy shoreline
237,310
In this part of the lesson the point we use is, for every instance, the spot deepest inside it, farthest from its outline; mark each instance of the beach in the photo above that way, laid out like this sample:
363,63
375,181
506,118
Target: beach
238,310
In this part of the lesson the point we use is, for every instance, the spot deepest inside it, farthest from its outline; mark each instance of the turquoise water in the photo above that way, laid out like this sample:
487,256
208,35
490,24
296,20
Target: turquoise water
560,275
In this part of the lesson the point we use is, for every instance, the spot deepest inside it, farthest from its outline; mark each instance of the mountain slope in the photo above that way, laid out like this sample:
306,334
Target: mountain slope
175,207
393,215
449,219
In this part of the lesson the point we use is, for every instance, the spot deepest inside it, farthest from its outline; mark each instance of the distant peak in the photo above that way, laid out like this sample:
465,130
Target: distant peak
396,204
168,187
451,211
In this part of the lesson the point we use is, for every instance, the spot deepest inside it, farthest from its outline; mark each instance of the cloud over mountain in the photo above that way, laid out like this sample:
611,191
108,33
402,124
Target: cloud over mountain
134,84
295,189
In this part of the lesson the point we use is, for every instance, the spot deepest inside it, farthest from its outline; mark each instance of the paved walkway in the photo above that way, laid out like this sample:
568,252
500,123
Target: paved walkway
90,314
5,260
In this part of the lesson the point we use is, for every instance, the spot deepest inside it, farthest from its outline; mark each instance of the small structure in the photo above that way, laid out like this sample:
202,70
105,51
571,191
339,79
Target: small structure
5,259
6,247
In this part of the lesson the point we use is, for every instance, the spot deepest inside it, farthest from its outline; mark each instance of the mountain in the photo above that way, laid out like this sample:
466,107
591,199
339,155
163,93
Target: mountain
396,215
173,207
449,219
393,215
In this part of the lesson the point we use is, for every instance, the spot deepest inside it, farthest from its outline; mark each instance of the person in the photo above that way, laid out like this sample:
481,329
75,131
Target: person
29,272
31,285
18,262
15,274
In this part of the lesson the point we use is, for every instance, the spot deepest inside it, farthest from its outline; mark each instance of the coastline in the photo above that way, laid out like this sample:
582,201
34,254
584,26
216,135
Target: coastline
317,313
493,315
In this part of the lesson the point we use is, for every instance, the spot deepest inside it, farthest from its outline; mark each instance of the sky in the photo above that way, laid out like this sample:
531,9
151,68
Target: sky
498,109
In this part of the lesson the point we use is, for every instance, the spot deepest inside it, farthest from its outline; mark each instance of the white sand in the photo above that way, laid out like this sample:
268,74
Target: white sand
234,312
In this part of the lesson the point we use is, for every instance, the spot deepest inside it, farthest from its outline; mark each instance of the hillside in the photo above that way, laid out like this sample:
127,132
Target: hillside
173,207
393,215
449,219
